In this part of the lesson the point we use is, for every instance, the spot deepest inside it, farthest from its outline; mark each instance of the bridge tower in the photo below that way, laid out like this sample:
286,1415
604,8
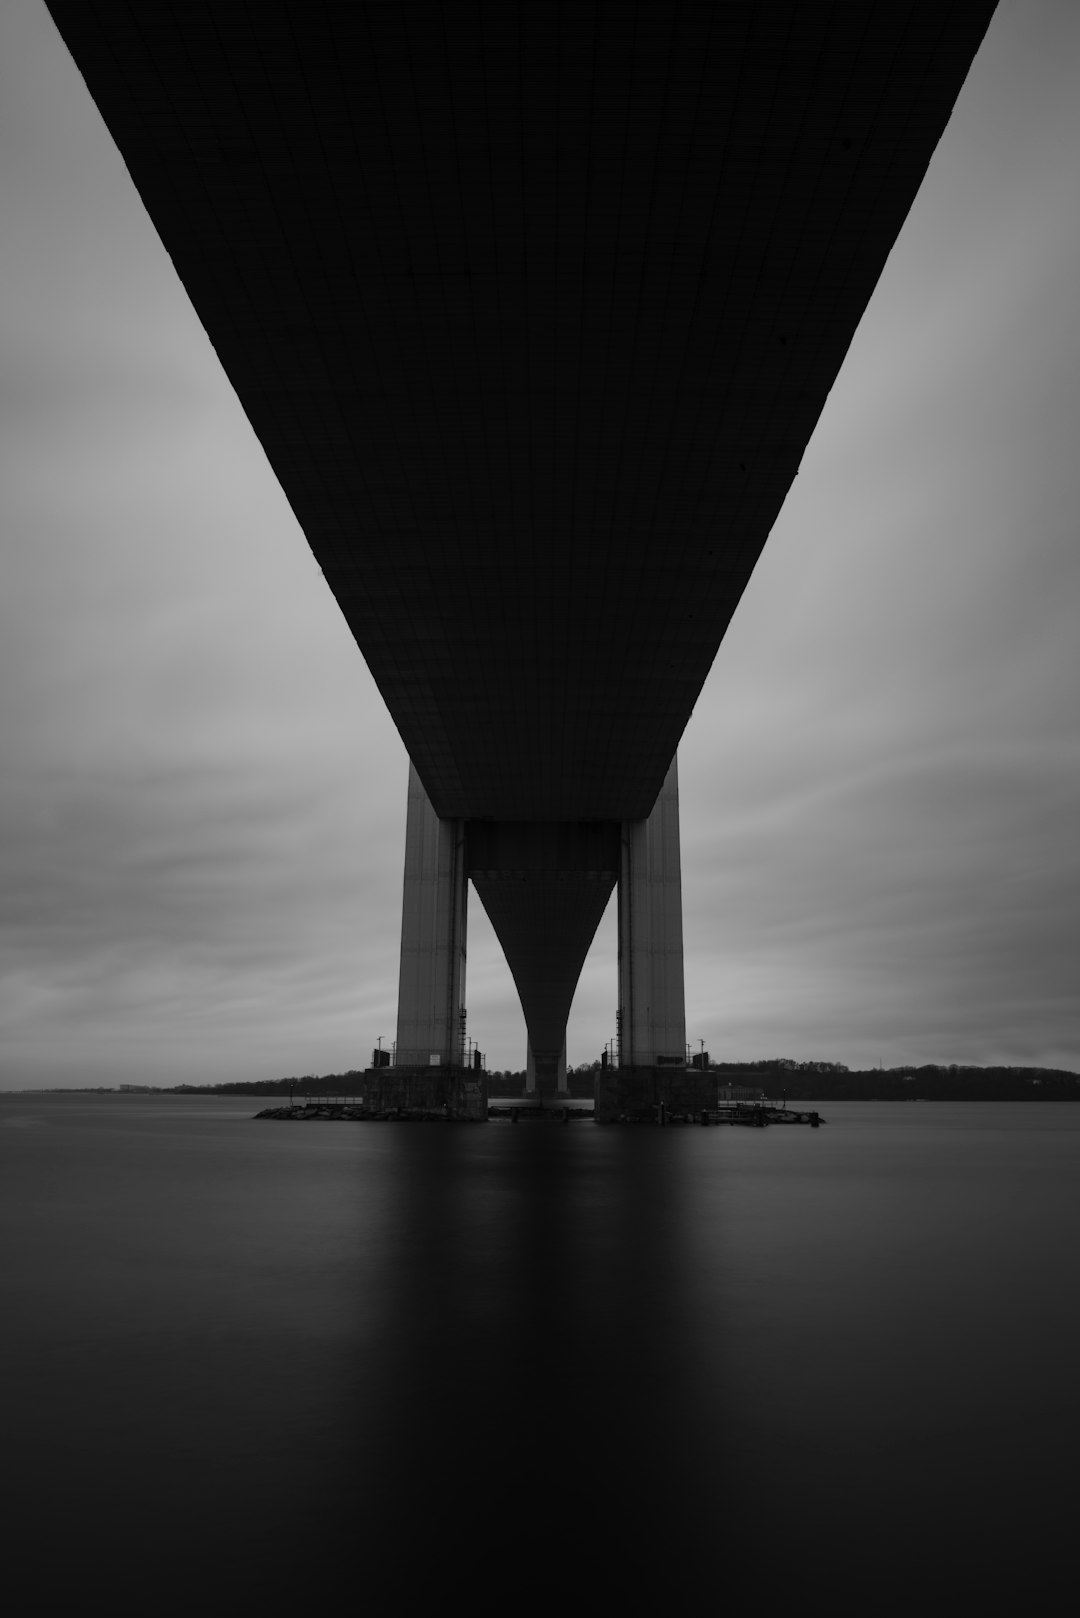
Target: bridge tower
545,886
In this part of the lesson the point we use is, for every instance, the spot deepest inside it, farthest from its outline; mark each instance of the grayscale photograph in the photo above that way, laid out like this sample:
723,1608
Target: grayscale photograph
539,804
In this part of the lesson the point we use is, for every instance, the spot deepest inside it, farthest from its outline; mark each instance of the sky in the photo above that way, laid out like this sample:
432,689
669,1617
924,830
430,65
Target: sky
202,794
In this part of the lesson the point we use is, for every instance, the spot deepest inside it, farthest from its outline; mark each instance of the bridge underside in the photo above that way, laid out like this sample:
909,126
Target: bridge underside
545,887
533,309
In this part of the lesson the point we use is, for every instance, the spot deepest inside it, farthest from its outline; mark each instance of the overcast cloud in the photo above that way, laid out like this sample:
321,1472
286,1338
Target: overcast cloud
202,796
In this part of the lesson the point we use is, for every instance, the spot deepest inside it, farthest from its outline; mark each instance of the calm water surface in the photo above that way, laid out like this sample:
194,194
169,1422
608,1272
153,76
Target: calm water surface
243,1361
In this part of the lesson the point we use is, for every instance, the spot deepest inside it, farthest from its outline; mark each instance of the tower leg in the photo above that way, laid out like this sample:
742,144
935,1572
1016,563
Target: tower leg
652,1000
431,981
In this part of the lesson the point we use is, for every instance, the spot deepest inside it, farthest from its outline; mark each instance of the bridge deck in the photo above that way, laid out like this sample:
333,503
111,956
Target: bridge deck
533,309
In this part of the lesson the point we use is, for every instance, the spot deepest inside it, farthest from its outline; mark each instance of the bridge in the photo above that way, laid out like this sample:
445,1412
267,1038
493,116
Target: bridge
533,309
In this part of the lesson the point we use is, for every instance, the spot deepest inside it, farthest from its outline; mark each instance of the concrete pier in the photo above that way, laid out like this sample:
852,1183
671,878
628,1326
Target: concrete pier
548,1077
453,1090
624,1092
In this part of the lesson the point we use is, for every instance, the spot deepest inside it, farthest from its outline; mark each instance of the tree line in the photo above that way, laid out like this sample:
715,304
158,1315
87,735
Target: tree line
799,1081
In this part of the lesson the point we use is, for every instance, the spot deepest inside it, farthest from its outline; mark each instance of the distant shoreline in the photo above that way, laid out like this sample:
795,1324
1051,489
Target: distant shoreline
795,1083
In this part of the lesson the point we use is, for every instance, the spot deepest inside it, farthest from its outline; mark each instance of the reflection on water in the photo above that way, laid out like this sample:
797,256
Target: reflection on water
584,1365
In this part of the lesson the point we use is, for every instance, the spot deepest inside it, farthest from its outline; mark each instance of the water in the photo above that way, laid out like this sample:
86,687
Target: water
244,1361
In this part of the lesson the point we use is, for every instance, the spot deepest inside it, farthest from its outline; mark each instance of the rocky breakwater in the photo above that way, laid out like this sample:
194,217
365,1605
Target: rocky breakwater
356,1112
321,1109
